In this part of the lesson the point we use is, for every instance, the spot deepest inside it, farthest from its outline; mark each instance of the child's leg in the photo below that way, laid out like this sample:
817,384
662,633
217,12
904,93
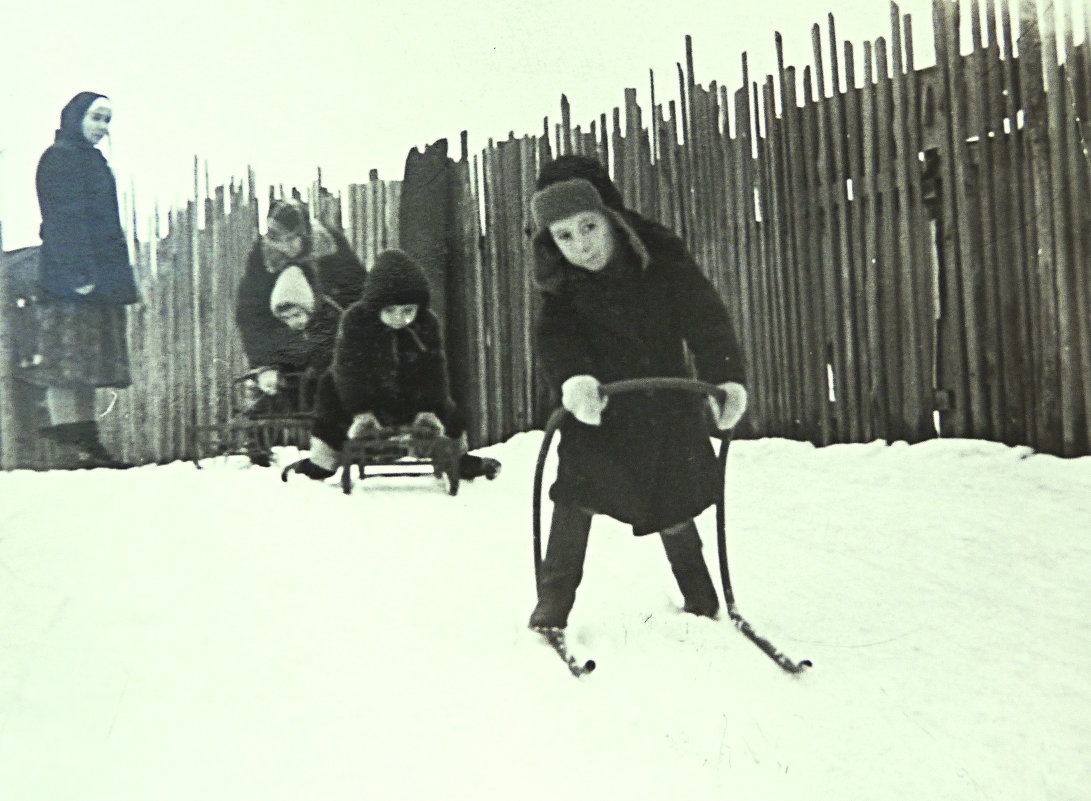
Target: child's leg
683,546
562,568
323,455
327,434
470,466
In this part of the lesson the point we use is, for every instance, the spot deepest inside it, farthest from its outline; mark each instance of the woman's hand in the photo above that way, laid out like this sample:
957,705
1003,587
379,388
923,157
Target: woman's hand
268,381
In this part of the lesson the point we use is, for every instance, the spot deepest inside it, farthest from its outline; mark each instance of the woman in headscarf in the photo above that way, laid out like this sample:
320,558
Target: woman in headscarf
299,277
85,281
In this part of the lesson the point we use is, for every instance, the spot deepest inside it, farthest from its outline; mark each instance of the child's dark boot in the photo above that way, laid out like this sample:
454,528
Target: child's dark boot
683,546
471,467
305,467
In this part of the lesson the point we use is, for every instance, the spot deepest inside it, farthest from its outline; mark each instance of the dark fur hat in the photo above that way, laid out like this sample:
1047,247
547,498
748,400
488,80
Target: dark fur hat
565,168
395,279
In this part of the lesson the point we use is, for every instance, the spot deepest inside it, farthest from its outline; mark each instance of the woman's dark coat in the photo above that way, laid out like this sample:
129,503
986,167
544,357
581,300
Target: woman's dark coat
82,240
650,313
337,279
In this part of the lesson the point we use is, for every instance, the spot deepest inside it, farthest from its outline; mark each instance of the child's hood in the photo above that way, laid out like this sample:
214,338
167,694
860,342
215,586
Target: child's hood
395,279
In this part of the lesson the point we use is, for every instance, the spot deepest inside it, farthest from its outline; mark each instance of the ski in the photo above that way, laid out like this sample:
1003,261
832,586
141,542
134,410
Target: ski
555,638
767,647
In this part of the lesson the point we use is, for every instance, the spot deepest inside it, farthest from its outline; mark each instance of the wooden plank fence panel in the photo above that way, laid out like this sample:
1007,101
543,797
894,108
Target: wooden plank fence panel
923,238
911,424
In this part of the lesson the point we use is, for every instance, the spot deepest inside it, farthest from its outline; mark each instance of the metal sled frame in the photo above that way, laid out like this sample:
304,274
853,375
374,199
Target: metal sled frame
687,385
401,447
234,437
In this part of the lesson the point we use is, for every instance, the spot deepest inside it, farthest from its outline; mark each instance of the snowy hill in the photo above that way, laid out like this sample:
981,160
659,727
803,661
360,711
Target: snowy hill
170,633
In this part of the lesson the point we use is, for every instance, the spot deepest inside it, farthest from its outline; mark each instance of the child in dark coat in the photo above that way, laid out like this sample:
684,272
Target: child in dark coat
622,299
389,369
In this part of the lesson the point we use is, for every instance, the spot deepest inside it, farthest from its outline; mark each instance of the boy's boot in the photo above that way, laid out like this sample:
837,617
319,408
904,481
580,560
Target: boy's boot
683,547
562,568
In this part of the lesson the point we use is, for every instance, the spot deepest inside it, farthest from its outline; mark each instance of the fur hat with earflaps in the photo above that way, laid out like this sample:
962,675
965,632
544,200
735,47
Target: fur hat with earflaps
559,200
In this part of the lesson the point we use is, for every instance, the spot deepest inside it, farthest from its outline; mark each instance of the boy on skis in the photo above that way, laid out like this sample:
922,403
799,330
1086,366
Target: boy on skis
623,299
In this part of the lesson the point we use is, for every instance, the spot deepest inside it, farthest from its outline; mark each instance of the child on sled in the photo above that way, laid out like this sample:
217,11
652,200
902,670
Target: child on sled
389,369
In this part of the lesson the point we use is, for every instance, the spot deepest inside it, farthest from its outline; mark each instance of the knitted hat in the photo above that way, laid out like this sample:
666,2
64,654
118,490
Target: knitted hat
395,279
564,168
560,200
292,289
73,113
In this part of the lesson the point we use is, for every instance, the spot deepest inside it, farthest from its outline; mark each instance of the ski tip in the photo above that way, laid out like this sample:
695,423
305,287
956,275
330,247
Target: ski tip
589,665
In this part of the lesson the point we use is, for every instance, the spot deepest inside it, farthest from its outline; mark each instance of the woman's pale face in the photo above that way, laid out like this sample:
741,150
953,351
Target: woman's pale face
96,122
586,239
287,242
398,315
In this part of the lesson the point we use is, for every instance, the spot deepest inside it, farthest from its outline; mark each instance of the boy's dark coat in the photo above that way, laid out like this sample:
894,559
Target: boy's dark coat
650,463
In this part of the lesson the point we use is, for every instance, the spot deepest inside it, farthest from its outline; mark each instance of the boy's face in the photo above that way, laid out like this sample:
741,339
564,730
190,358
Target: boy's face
398,316
586,239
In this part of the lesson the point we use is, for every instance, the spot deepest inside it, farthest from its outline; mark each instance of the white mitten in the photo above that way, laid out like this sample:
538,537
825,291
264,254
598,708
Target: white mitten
580,395
734,405
268,381
428,421
363,423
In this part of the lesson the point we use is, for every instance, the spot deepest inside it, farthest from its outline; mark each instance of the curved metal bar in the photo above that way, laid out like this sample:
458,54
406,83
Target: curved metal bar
612,388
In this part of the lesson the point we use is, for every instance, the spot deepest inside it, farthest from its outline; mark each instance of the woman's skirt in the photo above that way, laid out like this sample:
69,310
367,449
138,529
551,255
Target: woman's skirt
76,344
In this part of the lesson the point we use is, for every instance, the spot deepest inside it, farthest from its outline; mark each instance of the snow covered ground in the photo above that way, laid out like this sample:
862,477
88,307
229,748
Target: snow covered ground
168,633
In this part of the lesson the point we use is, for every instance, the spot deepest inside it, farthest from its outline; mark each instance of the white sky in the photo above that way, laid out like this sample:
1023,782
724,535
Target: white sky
351,86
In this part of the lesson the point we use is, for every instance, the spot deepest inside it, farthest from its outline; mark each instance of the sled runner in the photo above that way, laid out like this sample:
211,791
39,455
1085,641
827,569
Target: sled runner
737,620
395,449
257,423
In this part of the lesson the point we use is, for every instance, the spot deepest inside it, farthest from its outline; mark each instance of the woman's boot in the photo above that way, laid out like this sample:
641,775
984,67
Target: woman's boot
562,568
81,441
683,546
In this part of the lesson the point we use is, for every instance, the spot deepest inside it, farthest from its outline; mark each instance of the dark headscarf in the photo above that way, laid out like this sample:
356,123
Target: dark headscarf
72,118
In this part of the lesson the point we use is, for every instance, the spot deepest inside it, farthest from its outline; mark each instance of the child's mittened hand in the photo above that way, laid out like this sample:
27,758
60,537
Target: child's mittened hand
580,395
268,381
734,406
429,422
363,423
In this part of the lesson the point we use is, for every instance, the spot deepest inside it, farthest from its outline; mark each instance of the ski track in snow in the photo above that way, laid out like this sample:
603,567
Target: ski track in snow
173,633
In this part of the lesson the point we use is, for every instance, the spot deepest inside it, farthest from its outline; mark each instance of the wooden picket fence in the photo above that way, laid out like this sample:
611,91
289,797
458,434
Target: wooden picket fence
902,249
184,347
183,339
